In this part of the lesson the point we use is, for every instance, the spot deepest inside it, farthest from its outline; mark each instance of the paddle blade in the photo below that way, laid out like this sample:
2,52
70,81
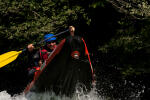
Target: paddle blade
8,57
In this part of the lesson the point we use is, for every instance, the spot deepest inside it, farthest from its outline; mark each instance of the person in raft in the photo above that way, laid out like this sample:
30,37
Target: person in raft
38,57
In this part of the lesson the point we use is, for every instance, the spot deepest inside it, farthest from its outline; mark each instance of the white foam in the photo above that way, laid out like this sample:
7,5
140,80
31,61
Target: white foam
92,95
5,96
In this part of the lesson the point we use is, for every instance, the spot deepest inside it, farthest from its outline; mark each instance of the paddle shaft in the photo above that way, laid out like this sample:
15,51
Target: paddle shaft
48,38
53,36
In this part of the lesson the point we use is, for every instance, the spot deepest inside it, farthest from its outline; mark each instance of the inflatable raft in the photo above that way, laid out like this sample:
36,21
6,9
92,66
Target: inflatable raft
68,65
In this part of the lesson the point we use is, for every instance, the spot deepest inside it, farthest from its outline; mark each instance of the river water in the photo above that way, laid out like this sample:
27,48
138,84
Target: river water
92,95
78,95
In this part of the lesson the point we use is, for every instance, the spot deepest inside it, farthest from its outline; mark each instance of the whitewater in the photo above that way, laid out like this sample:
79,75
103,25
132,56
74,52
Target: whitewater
78,95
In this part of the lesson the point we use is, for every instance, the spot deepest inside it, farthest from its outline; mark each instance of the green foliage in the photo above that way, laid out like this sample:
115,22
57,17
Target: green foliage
98,3
137,9
129,46
27,21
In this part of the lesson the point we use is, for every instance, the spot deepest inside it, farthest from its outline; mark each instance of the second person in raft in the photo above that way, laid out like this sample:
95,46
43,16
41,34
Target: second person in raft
38,57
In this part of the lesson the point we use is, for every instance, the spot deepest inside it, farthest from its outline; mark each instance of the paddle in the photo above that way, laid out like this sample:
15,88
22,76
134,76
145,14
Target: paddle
8,57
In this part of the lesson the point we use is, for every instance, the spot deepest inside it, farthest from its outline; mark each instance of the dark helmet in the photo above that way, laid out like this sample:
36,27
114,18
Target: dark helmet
48,38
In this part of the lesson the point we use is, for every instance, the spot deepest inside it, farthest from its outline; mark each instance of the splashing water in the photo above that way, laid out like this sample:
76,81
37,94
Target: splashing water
5,96
92,95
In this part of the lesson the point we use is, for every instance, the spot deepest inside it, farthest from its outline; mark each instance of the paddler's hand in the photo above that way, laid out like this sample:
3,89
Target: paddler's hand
30,47
71,30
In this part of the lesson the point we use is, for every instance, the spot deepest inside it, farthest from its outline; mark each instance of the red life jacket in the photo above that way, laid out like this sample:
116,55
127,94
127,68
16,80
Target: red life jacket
43,54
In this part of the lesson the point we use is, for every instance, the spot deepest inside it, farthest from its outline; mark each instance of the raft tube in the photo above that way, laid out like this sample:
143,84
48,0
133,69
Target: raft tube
68,65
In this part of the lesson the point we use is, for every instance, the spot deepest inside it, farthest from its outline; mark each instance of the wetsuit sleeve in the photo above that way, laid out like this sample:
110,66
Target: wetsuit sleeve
33,57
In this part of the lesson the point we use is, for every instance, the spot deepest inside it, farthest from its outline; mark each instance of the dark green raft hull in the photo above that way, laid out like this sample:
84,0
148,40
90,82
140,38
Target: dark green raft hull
61,73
